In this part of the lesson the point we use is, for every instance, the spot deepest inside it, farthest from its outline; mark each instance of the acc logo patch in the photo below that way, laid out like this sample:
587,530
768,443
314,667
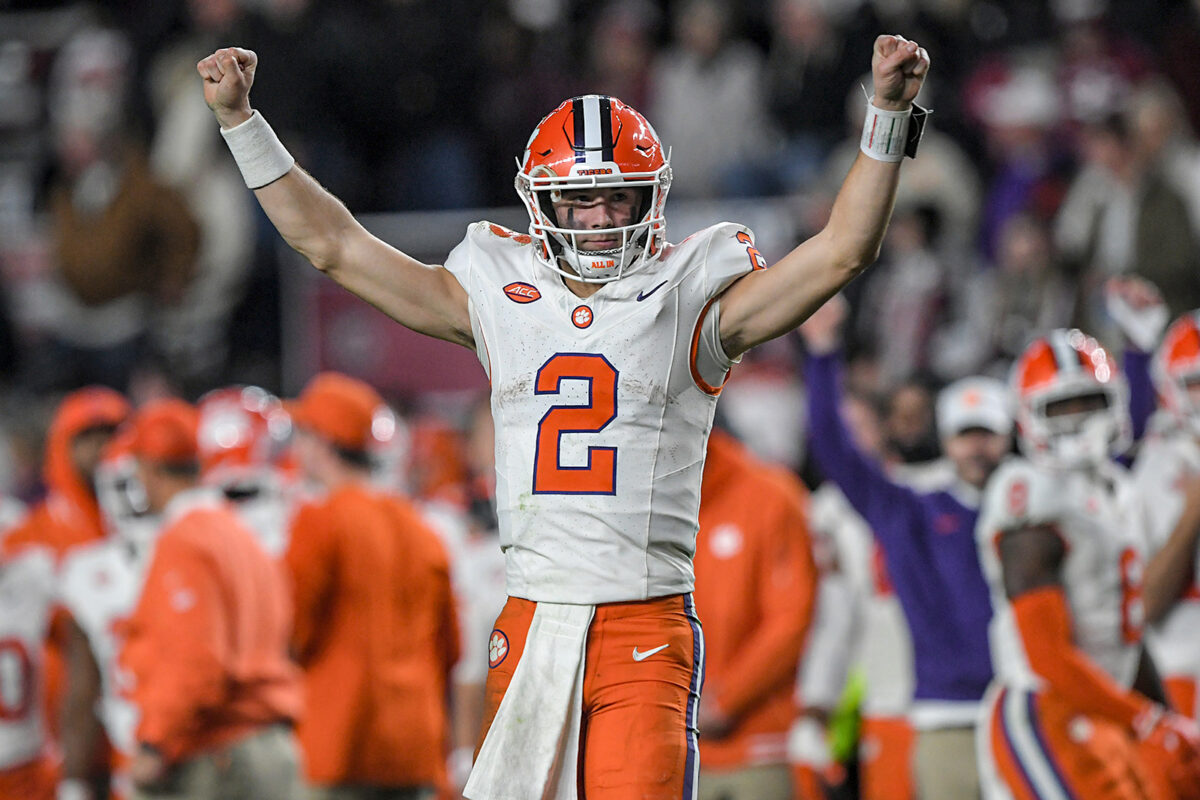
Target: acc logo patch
497,649
581,316
522,292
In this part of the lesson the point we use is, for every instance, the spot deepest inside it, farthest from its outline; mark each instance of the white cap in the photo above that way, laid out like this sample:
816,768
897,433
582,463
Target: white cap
976,402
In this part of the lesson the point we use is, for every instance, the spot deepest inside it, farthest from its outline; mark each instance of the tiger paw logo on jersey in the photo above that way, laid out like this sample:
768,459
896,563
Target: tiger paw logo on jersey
520,292
497,649
581,316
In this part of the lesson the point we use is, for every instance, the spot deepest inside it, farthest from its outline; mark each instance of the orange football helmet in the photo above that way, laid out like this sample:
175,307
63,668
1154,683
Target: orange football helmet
588,142
243,431
1067,365
1176,370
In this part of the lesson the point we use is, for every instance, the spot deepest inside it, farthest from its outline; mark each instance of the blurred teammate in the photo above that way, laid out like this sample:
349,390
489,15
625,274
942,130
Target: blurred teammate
606,348
756,583
206,646
1167,475
27,594
375,631
68,517
1075,692
243,436
927,540
100,584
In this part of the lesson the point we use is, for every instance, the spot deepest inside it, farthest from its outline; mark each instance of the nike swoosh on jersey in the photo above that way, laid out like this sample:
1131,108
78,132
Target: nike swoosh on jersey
643,656
643,295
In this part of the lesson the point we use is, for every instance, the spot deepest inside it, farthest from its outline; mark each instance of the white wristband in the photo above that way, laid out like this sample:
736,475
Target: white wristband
259,154
884,133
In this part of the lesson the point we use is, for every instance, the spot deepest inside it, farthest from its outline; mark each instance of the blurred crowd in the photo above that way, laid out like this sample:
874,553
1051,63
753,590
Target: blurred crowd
1061,153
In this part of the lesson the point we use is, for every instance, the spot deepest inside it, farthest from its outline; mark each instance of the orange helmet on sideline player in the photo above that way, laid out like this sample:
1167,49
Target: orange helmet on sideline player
1176,370
243,430
1065,365
595,142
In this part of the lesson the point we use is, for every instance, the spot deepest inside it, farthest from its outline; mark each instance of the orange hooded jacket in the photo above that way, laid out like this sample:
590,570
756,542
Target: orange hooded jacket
756,586
69,515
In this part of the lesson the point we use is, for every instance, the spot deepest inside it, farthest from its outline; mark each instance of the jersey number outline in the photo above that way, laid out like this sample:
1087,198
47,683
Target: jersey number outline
599,475
16,680
1133,612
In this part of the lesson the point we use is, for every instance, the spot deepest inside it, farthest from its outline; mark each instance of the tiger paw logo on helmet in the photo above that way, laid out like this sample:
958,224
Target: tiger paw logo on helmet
497,649
595,142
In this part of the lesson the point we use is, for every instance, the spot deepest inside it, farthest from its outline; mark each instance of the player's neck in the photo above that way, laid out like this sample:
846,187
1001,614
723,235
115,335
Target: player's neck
581,289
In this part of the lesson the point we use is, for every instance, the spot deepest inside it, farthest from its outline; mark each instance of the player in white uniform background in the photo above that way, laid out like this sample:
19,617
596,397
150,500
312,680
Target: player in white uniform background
243,437
27,596
606,347
99,586
1076,709
1167,472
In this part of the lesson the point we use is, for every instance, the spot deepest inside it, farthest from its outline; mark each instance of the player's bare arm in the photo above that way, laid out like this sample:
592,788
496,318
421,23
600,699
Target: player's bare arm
768,303
1168,570
1030,559
317,225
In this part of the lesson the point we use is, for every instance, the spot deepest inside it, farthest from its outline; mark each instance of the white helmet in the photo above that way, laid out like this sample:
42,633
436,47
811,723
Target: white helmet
1066,365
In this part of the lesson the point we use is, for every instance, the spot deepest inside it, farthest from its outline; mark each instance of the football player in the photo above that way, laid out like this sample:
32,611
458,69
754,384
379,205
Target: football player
606,347
243,437
1167,472
1076,708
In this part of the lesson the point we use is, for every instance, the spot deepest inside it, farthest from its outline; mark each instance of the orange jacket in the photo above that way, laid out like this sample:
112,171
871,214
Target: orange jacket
207,643
376,636
755,589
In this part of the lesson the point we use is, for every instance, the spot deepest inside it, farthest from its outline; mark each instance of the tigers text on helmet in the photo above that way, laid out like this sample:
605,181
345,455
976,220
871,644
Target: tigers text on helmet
1176,369
595,142
1065,366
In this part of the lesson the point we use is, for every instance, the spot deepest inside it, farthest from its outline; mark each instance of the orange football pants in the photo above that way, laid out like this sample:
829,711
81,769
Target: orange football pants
638,738
885,758
1181,691
1041,747
33,781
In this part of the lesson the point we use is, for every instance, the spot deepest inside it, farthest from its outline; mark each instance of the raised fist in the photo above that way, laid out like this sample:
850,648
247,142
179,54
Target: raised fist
898,68
228,75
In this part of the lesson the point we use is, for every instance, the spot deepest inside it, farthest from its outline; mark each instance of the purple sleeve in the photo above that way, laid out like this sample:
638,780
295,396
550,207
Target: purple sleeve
1141,390
884,504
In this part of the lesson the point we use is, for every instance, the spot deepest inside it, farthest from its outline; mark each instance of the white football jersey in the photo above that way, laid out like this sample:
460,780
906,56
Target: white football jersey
27,595
1165,462
100,587
1100,519
603,407
266,510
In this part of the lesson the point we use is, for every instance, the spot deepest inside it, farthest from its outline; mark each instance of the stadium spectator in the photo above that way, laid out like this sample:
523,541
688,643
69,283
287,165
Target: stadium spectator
376,632
123,243
206,645
928,543
707,99
756,585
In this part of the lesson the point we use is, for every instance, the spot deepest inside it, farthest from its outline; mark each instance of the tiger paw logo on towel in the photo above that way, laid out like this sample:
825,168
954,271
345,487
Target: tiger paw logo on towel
497,649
